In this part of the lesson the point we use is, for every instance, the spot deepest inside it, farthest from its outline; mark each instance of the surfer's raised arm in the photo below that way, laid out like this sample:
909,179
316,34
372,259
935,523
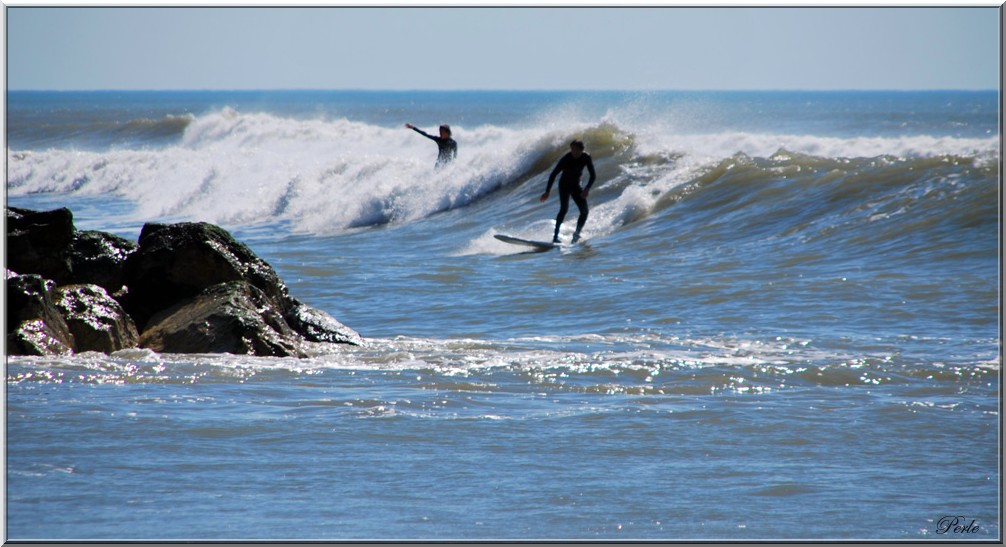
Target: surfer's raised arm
420,131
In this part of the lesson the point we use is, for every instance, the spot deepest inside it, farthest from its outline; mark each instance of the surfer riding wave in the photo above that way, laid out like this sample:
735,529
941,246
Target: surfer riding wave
571,166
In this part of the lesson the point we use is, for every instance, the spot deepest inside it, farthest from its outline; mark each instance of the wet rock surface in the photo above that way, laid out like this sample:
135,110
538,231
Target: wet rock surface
96,321
178,261
98,258
34,324
318,326
233,317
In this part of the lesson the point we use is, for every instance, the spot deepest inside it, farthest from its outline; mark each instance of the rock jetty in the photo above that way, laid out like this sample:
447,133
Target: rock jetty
181,288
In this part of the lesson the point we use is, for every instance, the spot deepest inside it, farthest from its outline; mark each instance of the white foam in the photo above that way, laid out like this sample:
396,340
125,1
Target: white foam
323,176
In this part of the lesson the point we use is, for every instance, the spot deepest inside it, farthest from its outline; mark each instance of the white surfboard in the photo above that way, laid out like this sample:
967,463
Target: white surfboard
539,245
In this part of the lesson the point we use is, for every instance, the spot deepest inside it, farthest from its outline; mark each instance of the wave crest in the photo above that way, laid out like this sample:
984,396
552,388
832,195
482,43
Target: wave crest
324,176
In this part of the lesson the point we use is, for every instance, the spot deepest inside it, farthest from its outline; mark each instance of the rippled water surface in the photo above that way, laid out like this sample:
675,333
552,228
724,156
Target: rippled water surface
783,322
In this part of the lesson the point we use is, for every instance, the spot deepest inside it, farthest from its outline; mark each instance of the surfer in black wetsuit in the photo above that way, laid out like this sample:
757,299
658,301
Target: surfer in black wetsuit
448,147
571,165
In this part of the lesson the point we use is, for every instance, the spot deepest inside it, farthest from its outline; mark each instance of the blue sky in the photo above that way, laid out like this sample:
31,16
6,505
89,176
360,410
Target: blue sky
642,48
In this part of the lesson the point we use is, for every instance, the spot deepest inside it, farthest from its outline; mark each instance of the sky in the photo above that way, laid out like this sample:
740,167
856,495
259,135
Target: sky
503,48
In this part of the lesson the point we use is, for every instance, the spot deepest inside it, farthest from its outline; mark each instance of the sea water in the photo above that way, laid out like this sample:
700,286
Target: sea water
783,323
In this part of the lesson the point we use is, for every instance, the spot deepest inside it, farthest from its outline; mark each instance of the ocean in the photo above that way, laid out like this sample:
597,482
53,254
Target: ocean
783,322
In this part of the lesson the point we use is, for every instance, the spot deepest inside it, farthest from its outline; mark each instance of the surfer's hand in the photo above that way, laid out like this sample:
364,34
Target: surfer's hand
544,196
409,126
584,193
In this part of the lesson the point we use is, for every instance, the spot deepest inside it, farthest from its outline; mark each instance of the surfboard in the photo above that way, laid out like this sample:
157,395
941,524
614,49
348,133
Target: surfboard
539,245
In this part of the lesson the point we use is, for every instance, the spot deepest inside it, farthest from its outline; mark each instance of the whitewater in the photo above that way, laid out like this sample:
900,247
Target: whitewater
324,176
783,322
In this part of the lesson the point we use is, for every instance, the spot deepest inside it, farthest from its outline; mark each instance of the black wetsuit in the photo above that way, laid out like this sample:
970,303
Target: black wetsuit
448,147
569,187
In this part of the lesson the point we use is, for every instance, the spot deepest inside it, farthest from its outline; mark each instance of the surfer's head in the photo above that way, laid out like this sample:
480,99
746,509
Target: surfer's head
576,147
445,131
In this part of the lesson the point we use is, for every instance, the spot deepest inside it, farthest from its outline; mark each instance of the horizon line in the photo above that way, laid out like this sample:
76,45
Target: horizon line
496,90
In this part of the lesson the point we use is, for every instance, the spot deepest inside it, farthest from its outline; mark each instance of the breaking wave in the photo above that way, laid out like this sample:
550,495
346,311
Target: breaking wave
326,176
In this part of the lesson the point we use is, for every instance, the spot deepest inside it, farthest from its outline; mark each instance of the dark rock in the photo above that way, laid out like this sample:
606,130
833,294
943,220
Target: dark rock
34,324
190,287
177,261
37,242
47,243
98,258
97,322
318,326
233,317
